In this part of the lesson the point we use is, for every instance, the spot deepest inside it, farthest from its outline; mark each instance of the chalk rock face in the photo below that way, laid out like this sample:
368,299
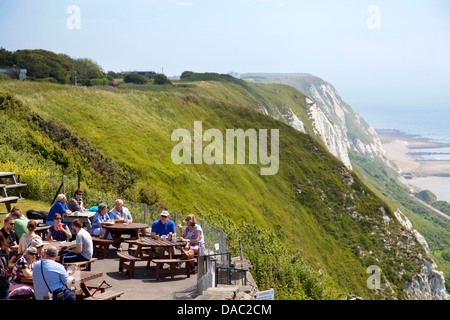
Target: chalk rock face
332,135
429,284
349,130
337,125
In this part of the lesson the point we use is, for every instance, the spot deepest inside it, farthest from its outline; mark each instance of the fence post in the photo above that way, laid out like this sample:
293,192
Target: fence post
145,213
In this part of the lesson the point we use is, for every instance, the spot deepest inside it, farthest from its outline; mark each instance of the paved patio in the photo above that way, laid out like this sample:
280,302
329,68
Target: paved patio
144,285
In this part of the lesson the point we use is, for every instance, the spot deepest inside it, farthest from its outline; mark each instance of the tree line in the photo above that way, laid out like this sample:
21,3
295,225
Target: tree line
47,65
44,65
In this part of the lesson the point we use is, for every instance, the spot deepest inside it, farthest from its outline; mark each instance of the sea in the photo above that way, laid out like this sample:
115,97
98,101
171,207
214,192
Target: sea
427,122
431,123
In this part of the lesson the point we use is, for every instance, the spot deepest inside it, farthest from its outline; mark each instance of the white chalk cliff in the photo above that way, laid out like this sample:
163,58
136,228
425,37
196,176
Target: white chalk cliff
337,125
429,283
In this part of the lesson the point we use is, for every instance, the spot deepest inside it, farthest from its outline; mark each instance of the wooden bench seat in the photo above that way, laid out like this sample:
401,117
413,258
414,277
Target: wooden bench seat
82,265
9,199
107,295
173,263
101,246
127,262
15,186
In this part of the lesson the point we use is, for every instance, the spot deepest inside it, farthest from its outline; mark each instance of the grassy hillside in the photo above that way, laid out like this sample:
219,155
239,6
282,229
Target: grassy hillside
311,230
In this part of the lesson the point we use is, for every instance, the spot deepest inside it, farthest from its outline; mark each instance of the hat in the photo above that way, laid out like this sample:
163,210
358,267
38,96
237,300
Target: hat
31,250
164,213
37,243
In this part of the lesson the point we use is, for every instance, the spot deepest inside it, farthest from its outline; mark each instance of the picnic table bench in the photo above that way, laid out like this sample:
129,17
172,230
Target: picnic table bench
127,262
13,185
101,246
173,263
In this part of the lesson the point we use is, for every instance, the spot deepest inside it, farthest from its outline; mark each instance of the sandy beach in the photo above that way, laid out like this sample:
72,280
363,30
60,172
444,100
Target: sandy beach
420,174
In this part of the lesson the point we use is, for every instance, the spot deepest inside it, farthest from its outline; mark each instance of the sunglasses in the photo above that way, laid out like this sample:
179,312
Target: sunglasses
11,224
32,253
56,218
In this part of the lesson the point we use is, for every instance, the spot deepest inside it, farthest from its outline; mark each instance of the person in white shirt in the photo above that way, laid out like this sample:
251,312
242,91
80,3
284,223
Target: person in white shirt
120,213
84,248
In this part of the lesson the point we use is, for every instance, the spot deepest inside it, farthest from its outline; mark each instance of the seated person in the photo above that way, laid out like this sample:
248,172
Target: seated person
20,220
27,238
84,248
120,213
49,275
100,217
76,203
193,233
39,245
163,226
9,234
24,266
60,207
59,231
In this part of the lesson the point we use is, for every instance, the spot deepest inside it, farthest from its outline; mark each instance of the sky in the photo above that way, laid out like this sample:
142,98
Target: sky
374,52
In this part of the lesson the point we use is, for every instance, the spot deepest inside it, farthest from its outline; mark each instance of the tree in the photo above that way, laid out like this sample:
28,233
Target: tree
135,78
44,64
161,79
7,58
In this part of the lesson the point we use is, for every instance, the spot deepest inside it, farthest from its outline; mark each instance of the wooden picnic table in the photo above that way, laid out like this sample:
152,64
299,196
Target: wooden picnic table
60,245
81,277
85,217
124,227
42,230
166,245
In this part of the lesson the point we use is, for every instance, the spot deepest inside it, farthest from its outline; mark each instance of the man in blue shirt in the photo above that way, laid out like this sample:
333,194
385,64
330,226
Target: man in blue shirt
55,275
163,226
60,207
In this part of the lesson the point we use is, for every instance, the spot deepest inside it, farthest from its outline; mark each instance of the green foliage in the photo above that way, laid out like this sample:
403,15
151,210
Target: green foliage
211,76
44,64
135,78
427,196
274,265
85,68
92,82
161,79
430,198
114,75
4,77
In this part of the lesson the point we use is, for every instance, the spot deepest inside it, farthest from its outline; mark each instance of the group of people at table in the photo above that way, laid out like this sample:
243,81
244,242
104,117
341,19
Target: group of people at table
51,274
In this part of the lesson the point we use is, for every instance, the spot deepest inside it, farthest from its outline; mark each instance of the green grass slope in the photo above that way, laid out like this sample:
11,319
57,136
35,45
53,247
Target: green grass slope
311,230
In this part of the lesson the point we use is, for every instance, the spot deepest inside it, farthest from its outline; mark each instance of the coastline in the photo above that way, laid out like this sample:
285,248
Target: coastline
420,173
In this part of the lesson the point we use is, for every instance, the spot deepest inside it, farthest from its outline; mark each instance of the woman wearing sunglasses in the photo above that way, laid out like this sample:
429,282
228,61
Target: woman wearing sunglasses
24,266
59,231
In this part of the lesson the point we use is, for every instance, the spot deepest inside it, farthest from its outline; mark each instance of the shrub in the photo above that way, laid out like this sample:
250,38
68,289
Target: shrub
135,78
161,79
